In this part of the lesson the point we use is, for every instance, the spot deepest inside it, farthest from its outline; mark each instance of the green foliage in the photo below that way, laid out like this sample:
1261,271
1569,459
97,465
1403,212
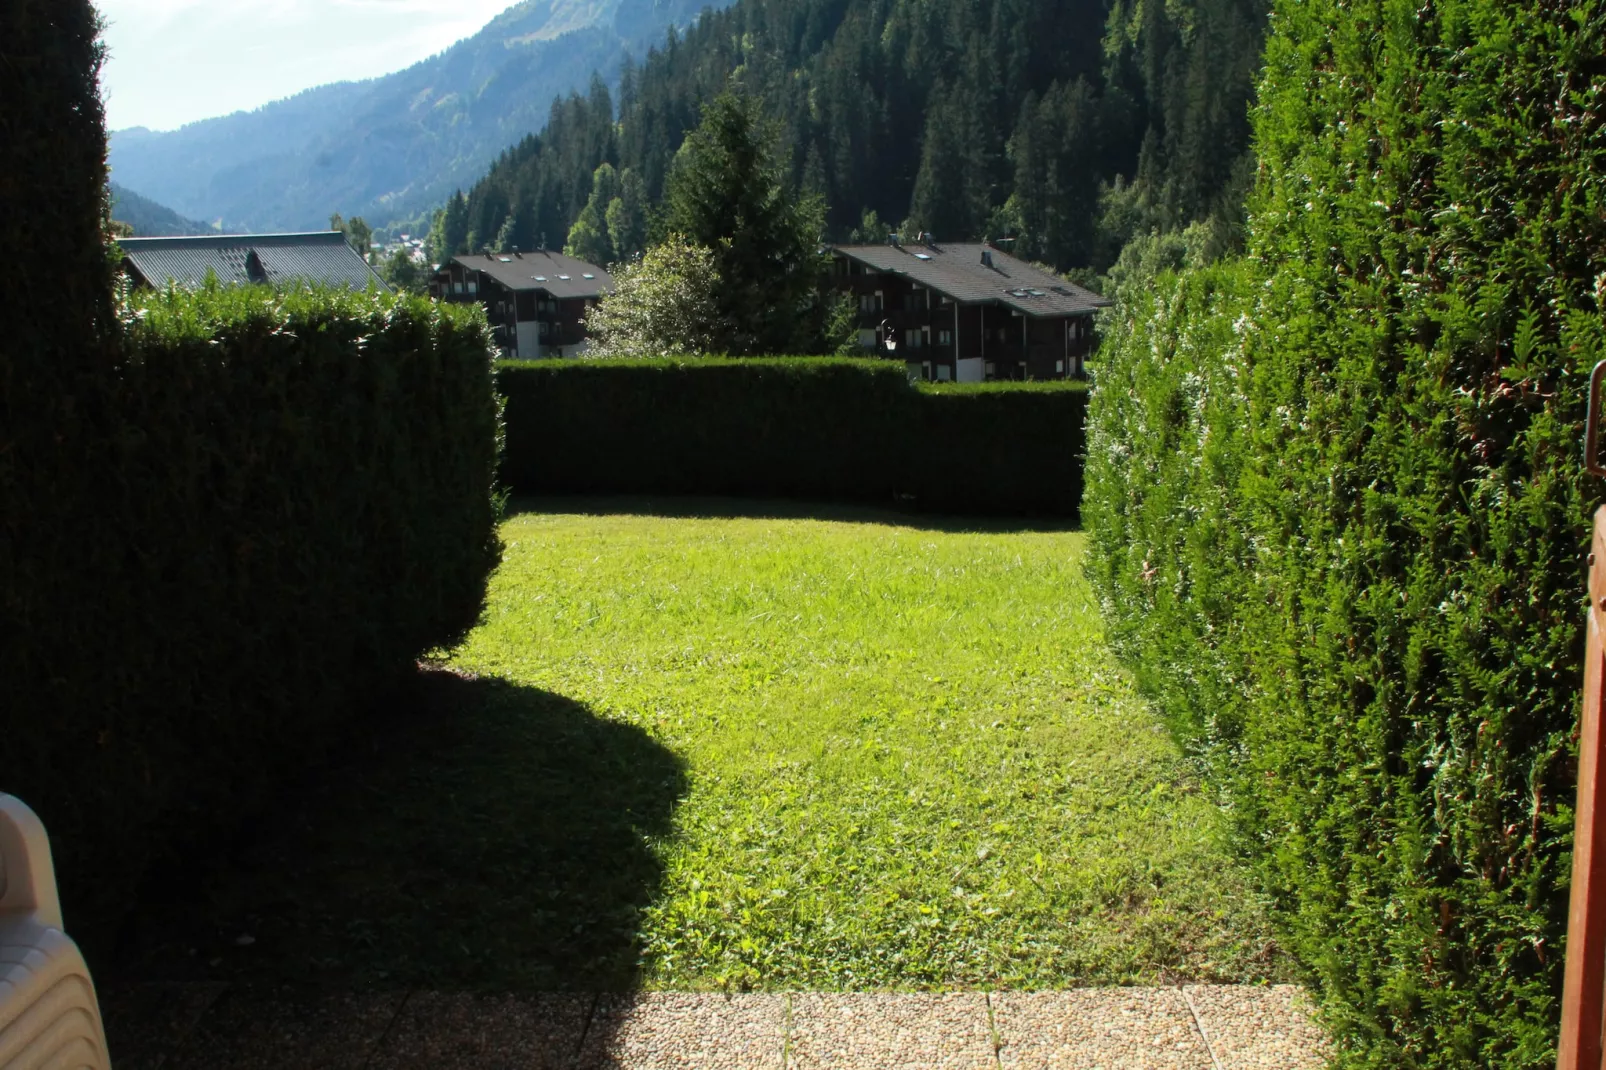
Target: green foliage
448,231
588,238
404,274
726,194
612,226
272,503
708,751
1340,516
664,304
828,429
961,118
53,137
359,235
627,217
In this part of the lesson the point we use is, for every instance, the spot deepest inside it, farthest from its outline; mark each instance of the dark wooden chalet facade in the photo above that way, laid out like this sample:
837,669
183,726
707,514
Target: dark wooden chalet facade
966,312
536,301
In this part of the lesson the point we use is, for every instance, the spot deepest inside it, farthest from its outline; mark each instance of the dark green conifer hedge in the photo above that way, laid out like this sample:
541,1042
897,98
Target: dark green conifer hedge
283,502
825,428
223,523
1340,517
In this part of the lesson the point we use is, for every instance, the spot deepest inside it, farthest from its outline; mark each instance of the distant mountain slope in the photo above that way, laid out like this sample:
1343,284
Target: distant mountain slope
152,220
1067,126
386,148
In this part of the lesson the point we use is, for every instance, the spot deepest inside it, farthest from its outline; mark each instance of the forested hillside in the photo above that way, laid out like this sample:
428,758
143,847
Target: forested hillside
1070,123
392,147
149,219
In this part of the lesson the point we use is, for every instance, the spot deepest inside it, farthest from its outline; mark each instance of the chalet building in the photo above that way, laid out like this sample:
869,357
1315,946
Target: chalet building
321,257
966,312
536,301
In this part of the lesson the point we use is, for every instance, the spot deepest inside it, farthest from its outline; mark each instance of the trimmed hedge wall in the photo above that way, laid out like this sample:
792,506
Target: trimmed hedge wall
824,428
1340,517
280,503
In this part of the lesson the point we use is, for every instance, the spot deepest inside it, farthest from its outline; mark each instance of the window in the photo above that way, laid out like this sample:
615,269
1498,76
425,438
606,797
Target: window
945,338
473,285
1059,367
942,373
542,330
914,338
992,369
457,286
870,302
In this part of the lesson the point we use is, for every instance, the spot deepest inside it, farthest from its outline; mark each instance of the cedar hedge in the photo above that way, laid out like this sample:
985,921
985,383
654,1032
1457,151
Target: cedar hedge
282,501
1339,515
827,428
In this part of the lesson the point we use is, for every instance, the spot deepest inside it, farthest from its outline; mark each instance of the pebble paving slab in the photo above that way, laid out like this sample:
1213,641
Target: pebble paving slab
1195,1027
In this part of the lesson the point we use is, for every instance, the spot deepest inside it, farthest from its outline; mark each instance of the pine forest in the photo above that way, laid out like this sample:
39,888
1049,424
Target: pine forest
1067,127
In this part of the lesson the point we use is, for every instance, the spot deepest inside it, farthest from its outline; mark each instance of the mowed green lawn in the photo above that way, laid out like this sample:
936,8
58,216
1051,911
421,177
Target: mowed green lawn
715,751
911,761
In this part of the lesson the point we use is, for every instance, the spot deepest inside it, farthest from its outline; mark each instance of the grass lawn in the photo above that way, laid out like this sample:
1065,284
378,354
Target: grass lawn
783,752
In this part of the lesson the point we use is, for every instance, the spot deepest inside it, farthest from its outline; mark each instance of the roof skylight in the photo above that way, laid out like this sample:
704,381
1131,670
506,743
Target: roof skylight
565,278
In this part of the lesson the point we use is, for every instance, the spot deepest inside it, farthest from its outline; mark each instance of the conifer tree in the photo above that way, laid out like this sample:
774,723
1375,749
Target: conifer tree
627,217
589,238
726,194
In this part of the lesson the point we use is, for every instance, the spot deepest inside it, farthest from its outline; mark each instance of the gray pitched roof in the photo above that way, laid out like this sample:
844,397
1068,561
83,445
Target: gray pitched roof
558,275
957,270
321,256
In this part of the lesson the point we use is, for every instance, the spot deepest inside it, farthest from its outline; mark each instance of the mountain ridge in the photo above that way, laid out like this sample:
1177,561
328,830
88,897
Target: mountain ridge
389,147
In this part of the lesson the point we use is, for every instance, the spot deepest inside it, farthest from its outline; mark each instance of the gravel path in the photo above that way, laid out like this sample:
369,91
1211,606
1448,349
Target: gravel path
1195,1027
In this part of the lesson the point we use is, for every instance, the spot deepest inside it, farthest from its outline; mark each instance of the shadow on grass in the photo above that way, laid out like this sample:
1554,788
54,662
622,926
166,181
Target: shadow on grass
485,836
690,507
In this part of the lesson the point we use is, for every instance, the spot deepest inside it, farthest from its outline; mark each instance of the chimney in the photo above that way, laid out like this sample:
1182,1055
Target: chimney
986,258
896,240
517,253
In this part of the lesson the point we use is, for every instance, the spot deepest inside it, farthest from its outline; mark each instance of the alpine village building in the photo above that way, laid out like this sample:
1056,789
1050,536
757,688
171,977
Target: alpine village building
283,260
536,301
966,312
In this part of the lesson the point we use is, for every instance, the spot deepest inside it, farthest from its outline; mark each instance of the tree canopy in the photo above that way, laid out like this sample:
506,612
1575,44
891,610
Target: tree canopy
1070,125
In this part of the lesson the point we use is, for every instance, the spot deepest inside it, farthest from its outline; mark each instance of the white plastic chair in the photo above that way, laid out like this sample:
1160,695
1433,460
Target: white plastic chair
49,1018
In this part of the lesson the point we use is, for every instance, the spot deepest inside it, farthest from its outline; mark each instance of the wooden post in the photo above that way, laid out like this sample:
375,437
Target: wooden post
1580,1047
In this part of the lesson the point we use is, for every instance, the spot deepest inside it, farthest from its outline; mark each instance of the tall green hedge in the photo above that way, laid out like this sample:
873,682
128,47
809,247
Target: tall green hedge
56,307
1339,513
822,428
284,500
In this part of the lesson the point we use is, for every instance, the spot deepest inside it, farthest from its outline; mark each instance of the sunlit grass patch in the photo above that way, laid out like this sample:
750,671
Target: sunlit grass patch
910,759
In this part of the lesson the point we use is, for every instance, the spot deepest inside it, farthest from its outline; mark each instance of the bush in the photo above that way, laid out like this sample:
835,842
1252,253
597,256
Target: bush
284,501
52,193
1340,517
823,428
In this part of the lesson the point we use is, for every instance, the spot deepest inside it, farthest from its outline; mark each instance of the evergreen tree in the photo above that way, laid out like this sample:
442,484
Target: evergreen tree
726,194
964,116
589,238
627,217
448,232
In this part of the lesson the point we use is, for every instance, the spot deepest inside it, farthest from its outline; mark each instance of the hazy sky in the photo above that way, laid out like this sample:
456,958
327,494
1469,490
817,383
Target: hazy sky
175,61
